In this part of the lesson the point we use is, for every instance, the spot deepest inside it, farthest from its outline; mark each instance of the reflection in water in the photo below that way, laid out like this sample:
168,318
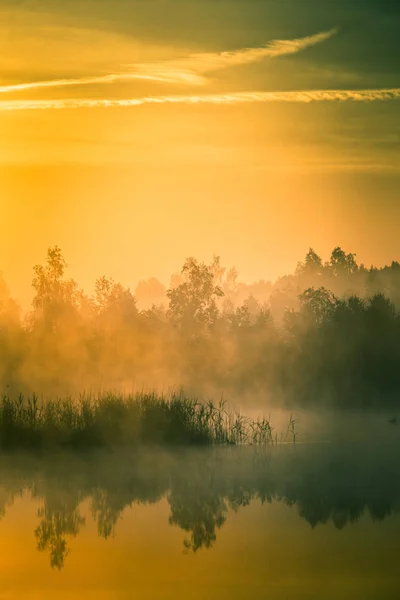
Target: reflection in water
198,508
57,522
324,483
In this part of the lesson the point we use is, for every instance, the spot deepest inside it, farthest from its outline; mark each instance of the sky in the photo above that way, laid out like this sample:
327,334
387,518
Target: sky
135,134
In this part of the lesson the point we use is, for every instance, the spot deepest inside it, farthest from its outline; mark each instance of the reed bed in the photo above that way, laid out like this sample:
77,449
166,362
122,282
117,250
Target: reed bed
113,420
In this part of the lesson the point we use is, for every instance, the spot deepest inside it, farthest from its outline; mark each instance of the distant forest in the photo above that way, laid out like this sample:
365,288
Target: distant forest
326,335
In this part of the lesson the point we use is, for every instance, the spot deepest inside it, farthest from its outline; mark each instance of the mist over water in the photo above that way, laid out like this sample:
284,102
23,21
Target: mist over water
139,482
215,435
263,516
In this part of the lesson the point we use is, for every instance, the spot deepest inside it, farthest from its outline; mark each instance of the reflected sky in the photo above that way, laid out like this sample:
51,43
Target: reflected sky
229,523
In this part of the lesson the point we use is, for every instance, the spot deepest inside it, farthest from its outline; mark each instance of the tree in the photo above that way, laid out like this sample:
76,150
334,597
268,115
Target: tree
319,303
54,296
342,263
116,305
312,264
193,303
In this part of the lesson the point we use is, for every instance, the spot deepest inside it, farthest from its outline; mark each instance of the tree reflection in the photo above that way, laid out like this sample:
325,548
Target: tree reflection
199,512
106,511
57,523
201,488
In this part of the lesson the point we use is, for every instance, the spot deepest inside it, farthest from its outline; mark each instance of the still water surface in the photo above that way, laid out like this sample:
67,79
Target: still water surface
284,523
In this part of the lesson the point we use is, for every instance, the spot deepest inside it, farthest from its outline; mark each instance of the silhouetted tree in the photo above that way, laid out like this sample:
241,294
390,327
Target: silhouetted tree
193,303
54,296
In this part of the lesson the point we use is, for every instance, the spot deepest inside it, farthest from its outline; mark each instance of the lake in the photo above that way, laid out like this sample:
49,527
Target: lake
311,521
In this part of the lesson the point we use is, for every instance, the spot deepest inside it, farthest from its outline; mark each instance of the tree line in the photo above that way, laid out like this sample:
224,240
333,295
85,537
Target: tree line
328,334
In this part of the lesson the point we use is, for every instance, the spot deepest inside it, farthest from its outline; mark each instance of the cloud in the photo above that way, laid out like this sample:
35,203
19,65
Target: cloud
170,77
189,70
303,97
213,62
196,64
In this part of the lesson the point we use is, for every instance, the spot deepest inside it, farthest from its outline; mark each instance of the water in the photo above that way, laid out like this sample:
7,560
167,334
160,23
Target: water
311,521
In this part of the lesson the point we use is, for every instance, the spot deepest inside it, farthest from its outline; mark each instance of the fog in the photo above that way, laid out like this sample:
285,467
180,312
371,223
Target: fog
325,336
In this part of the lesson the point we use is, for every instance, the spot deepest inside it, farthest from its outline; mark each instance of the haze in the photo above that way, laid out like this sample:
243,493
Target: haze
272,127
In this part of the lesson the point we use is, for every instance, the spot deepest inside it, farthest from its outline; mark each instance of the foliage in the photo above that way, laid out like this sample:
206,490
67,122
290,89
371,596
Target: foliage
327,334
112,421
193,303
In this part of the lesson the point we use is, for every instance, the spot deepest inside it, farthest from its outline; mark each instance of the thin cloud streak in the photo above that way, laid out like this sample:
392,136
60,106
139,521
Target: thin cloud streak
188,70
214,61
101,79
303,97
208,62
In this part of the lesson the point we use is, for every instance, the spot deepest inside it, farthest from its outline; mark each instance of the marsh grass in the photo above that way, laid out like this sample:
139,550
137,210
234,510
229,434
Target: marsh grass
112,420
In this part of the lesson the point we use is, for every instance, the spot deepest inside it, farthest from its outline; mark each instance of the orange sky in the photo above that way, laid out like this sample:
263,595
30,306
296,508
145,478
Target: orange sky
132,191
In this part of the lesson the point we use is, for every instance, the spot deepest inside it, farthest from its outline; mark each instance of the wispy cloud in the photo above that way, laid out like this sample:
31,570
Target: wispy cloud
196,65
189,70
208,62
170,77
303,97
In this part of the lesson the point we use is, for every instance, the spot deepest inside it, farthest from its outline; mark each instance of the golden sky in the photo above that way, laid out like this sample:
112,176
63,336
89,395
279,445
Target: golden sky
135,134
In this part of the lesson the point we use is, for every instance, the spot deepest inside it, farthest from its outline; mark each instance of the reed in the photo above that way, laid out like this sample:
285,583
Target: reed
112,420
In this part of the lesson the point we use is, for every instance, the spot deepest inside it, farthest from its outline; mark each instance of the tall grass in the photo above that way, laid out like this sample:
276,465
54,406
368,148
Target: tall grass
113,420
